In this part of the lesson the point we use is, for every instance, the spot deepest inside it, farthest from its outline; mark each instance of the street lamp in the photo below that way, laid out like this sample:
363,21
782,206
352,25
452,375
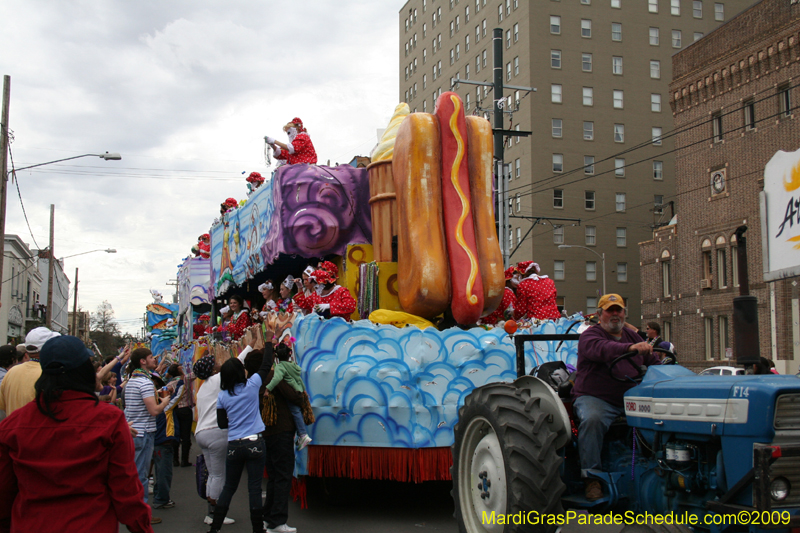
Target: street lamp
75,302
108,156
601,256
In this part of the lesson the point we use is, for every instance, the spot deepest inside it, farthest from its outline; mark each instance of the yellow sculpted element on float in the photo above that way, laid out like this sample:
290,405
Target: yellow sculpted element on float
473,263
385,149
794,179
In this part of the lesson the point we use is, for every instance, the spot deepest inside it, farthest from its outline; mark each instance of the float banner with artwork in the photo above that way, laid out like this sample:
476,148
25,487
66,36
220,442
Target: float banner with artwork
780,216
304,210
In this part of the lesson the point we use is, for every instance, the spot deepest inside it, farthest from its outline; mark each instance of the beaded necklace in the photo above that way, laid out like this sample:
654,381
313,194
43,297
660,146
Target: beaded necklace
142,372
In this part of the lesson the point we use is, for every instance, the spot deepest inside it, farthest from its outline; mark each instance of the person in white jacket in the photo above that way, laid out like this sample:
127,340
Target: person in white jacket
212,440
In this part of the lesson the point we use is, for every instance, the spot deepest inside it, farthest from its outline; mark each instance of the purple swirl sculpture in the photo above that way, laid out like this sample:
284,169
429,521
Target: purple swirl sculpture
319,210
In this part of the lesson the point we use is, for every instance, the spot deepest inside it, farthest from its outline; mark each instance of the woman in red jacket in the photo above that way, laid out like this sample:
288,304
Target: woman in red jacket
330,299
66,460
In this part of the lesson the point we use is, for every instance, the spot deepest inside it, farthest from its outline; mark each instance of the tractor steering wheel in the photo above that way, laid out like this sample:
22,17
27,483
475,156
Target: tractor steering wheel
642,370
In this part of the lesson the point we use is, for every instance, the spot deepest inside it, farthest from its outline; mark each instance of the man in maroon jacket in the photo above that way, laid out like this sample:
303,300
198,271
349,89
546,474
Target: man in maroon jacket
598,395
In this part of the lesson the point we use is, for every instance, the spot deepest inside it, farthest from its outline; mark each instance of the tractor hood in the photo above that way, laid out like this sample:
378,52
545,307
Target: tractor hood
675,399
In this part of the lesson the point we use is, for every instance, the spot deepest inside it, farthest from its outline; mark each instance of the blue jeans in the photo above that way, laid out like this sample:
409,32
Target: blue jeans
297,416
595,417
163,465
243,454
143,445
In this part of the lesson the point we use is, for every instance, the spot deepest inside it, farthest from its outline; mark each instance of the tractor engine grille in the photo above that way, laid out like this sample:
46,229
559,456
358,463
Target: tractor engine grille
787,412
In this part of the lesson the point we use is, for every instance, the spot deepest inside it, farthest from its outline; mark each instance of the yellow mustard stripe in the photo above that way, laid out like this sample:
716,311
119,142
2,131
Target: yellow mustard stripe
473,263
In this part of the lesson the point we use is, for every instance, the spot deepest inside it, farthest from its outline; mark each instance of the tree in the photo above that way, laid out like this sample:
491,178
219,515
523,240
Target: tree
103,320
105,332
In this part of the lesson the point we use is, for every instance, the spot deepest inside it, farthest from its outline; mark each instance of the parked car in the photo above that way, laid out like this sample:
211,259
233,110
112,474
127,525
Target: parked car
722,371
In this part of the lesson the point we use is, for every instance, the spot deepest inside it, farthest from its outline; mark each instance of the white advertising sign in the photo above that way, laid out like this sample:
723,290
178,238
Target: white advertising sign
780,215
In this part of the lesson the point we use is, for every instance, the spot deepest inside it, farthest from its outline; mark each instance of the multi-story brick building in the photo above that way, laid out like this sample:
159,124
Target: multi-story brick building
596,153
734,97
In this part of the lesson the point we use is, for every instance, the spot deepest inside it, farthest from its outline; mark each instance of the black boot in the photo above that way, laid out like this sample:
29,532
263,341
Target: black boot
220,511
257,520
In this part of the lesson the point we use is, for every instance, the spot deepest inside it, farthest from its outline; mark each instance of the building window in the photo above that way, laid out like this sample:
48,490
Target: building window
785,100
558,270
591,270
467,102
588,131
676,38
588,165
675,8
508,39
666,331
586,28
466,14
719,12
666,277
722,274
588,200
558,198
586,2
516,66
697,9
619,167
616,31
655,69
723,336
483,59
697,35
483,28
655,103
452,56
652,6
517,173
591,305
706,264
424,55
653,36
516,32
591,235
508,71
734,261
466,43
618,99
749,114
556,125
500,13
477,33
616,65
619,133
658,204
716,127
516,128
708,334
622,237
519,236
458,52
558,162
588,96
658,170
616,4
555,93
622,272
586,62
656,134
620,202
558,234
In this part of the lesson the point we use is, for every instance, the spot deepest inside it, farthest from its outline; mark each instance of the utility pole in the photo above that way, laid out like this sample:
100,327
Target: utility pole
50,270
75,308
4,163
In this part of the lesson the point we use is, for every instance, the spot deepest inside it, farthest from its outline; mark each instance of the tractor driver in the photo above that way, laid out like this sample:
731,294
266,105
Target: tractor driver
598,395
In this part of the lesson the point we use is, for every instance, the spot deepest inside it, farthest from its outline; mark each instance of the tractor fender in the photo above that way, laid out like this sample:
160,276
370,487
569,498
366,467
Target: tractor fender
550,403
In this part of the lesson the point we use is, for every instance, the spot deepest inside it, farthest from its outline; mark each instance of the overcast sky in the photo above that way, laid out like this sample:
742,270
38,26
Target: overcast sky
185,91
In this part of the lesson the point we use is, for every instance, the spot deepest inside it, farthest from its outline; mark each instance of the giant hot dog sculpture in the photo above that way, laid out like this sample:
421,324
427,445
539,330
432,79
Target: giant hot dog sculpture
448,253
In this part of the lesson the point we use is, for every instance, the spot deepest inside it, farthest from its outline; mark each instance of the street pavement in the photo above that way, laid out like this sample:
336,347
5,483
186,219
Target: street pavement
334,506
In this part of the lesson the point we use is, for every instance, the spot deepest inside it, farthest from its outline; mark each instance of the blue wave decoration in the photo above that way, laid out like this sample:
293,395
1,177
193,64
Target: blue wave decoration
378,385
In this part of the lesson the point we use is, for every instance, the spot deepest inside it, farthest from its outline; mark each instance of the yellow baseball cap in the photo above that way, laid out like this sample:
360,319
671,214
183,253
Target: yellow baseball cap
608,300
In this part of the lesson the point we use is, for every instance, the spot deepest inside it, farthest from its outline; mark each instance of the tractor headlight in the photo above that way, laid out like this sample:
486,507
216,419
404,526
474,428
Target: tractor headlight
779,488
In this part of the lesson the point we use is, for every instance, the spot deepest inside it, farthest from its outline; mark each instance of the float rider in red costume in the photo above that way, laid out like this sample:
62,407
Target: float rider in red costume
299,149
330,299
507,304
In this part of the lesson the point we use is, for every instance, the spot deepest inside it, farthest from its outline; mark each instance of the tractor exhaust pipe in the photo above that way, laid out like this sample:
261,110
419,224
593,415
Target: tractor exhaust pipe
745,311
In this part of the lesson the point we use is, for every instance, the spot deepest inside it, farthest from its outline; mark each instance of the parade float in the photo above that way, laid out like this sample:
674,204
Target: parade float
414,240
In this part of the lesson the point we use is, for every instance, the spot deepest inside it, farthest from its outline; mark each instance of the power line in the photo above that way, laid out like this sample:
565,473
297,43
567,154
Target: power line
16,182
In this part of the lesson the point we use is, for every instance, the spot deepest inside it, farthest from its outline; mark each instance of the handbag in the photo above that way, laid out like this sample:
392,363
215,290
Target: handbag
201,475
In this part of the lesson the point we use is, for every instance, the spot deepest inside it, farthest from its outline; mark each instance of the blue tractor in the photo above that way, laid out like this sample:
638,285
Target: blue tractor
704,453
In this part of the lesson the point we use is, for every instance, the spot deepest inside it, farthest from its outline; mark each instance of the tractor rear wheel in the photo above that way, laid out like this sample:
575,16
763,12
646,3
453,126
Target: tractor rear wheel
504,463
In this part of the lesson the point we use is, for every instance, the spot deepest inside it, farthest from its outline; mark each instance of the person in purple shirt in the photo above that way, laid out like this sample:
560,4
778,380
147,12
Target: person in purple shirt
599,397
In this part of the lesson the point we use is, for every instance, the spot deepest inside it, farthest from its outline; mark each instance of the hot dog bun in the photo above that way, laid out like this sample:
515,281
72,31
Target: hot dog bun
422,276
466,281
481,148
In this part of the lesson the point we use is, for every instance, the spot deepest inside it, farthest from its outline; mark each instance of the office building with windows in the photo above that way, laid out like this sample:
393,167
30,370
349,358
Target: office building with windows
734,97
598,171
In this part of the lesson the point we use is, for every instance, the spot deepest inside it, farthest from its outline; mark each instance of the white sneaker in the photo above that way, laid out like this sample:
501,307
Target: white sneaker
303,441
210,520
283,528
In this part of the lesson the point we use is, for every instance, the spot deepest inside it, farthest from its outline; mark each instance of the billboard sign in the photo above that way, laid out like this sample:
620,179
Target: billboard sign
780,216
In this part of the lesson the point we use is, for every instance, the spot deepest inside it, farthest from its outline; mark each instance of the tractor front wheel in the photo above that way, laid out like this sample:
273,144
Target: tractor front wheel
505,466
